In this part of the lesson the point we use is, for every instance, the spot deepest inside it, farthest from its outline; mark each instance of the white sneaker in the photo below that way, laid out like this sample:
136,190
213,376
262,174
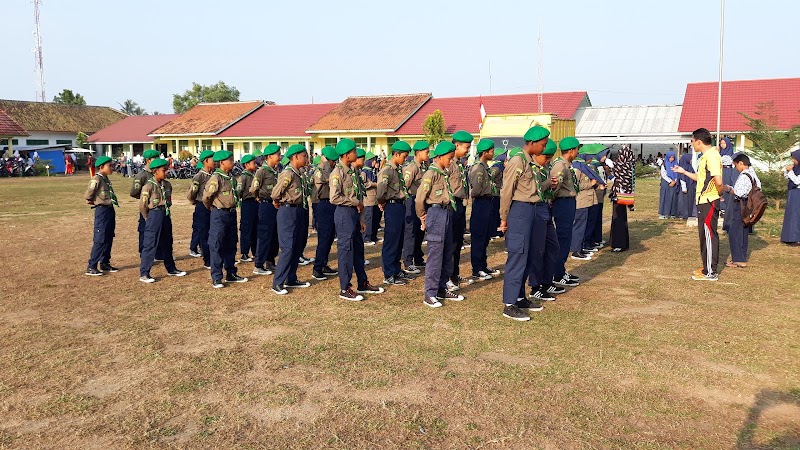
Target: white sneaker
413,270
147,279
494,272
452,286
432,302
194,254
483,276
177,273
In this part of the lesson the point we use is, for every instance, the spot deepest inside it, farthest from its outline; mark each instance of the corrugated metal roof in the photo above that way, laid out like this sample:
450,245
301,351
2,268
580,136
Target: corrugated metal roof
642,121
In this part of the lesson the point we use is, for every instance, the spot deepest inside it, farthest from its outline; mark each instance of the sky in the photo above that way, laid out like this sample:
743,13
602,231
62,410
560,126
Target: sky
622,52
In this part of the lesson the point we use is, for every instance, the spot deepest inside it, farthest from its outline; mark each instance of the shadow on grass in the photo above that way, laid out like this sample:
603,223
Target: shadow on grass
783,439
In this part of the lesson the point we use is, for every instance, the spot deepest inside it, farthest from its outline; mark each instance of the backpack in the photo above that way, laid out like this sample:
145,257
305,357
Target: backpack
754,206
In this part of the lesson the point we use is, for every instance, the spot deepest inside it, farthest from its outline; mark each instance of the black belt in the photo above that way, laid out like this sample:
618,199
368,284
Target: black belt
226,209
441,206
325,200
396,200
249,199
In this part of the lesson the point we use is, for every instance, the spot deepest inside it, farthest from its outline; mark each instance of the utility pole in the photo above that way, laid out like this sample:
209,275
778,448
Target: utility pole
540,66
37,51
721,51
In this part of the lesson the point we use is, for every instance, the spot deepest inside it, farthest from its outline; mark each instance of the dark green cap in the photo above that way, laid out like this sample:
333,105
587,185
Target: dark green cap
401,147
462,136
536,133
514,152
247,158
317,159
443,148
345,146
485,144
205,154
222,155
360,153
551,148
271,149
295,149
150,154
257,153
330,153
369,156
156,163
421,145
285,161
101,160
568,143
498,152
592,149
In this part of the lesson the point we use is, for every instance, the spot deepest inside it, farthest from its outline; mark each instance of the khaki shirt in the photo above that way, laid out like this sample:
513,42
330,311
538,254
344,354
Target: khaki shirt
457,179
322,175
518,184
432,191
99,191
412,175
264,182
480,184
389,186
563,170
497,177
244,185
219,192
152,196
288,188
138,182
370,189
587,196
344,191
198,186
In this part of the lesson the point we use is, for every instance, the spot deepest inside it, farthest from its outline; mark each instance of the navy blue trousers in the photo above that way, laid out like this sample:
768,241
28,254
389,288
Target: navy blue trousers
305,218
495,218
519,239
544,248
326,231
349,246
738,235
248,228
290,229
564,218
480,225
201,223
267,244
413,237
141,227
579,229
157,235
591,224
394,233
459,227
105,220
597,233
439,229
222,242
372,220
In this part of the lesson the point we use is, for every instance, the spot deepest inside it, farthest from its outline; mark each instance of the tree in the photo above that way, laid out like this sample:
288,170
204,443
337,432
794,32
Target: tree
81,139
66,97
769,143
132,108
434,127
214,93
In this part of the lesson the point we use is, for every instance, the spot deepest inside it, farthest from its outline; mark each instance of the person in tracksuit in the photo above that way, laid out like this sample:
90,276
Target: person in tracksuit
323,214
481,189
155,200
496,173
544,245
248,226
201,218
391,196
458,182
264,181
100,195
413,235
221,198
566,189
435,205
518,200
347,193
136,189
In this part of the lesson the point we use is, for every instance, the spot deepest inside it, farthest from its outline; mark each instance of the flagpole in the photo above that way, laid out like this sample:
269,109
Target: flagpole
721,49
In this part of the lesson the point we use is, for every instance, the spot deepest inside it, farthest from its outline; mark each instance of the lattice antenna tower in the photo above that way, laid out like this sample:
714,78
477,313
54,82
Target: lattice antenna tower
37,51
540,66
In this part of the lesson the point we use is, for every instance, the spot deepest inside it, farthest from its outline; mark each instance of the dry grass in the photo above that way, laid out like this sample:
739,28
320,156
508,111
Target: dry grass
637,356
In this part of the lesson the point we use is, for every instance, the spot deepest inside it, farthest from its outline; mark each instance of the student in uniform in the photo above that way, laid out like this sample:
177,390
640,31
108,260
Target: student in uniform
264,181
688,189
357,166
348,196
372,214
481,189
667,199
496,173
458,183
391,194
201,218
413,236
323,214
308,186
790,232
624,172
595,235
289,198
154,203
100,194
566,189
518,200
588,182
136,189
248,227
737,233
435,206
221,198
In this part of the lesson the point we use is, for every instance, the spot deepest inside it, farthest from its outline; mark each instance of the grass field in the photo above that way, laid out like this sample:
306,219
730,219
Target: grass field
638,356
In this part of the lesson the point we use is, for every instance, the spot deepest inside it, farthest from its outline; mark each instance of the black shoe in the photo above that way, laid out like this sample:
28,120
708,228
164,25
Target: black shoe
216,284
92,272
297,284
514,313
395,281
327,271
432,302
449,295
269,266
234,278
555,290
572,277
566,282
580,256
348,294
177,273
317,275
528,305
542,295
403,275
108,268
368,288
280,290
207,266
245,258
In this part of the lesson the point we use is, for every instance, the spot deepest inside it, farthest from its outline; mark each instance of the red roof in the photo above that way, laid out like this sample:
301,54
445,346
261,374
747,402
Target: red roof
9,127
279,121
208,118
700,103
464,113
131,129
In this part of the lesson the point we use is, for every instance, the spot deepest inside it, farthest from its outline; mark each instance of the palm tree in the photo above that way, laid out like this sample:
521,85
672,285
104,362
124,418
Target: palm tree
132,108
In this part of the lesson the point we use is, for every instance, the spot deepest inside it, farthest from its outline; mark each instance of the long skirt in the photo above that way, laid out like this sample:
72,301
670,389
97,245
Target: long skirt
619,227
790,233
668,201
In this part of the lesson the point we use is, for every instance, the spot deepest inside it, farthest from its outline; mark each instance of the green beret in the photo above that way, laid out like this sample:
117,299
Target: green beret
222,155
462,136
247,158
421,145
536,133
498,152
271,149
568,143
199,166
101,160
360,153
150,154
285,161
205,154
514,152
551,148
369,156
295,149
345,146
485,144
443,148
592,149
317,159
158,162
401,147
330,153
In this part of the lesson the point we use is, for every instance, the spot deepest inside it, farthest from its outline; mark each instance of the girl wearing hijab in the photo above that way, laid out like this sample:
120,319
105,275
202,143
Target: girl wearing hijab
623,172
790,233
729,176
667,205
688,189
